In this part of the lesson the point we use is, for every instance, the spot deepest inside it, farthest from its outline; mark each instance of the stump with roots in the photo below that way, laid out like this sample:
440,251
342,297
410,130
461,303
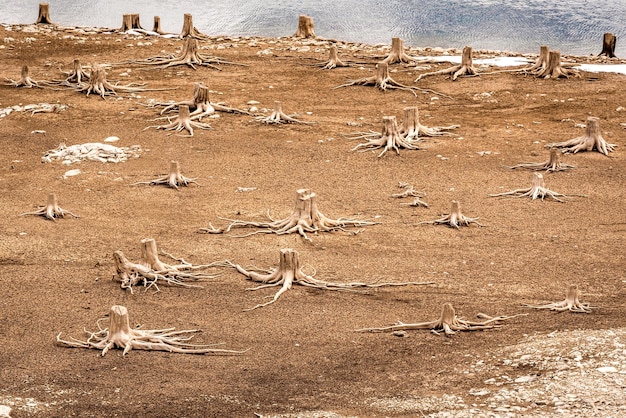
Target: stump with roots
289,272
454,219
76,77
278,117
44,14
412,129
571,303
25,80
98,84
537,191
189,55
119,334
201,104
305,27
554,69
552,165
466,68
333,60
305,218
383,81
397,54
130,22
388,139
608,45
189,30
409,191
591,140
174,179
156,28
151,271
52,210
448,322
181,122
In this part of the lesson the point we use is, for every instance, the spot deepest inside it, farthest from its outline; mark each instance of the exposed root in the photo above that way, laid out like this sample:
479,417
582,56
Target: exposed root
305,218
78,76
552,165
151,271
333,60
98,84
448,322
25,80
466,68
182,122
454,219
412,129
119,334
306,27
592,140
52,210
289,272
389,139
571,303
538,190
397,54
554,68
174,179
278,116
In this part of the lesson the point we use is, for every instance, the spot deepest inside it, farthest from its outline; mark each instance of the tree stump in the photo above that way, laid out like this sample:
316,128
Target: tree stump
454,219
608,45
98,84
182,122
52,210
397,54
174,179
156,28
389,139
554,69
466,67
134,21
571,303
412,129
552,165
44,14
189,30
537,191
25,80
305,27
592,140
278,117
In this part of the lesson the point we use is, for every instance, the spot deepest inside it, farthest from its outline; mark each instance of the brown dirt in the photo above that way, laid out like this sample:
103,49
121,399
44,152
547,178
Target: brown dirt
304,355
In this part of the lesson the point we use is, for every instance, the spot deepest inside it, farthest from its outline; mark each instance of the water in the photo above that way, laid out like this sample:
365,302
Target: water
572,26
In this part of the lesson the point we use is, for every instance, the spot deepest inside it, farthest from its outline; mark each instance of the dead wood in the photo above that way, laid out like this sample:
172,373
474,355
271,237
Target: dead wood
466,68
537,191
181,122
305,218
608,45
130,22
448,322
151,271
571,303
156,28
44,14
52,210
397,54
278,116
289,272
454,219
306,27
174,179
189,30
412,129
388,139
98,84
409,191
554,69
25,80
119,334
592,140
333,60
552,165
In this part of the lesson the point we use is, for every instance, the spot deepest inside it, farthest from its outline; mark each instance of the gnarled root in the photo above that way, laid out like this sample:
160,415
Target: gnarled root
306,218
397,54
448,322
174,179
151,271
97,83
538,190
571,303
412,129
278,116
290,272
389,138
25,80
592,140
466,68
552,165
182,122
554,69
52,210
454,219
409,191
119,334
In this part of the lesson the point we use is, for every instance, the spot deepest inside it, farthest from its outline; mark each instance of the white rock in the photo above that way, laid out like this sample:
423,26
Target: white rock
5,411
607,369
111,139
71,173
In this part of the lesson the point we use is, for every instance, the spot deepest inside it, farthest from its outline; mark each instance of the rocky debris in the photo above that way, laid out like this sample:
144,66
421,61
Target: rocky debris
93,151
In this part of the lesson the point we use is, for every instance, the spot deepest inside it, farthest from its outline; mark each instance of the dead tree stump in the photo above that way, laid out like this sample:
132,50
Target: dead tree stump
412,129
571,303
608,45
552,165
554,69
98,84
388,139
542,61
305,27
25,80
134,21
189,30
397,54
52,210
454,219
156,28
537,191
44,14
592,140
174,179
466,68
182,122
278,117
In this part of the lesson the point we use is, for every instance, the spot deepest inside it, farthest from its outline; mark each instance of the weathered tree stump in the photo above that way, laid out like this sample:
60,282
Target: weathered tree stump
448,322
156,28
397,54
571,303
305,27
333,60
537,191
189,30
181,122
44,14
552,165
541,64
412,129
97,83
608,45
466,68
554,69
25,80
592,140
289,272
52,210
174,179
388,139
278,117
119,334
454,219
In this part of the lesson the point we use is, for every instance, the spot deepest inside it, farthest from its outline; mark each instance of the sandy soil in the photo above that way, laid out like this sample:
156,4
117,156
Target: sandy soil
303,354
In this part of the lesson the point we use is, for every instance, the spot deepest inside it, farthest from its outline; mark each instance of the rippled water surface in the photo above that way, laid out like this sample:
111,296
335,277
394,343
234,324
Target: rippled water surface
572,26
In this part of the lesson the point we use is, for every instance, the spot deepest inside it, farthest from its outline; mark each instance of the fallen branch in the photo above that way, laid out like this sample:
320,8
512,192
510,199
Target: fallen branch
571,303
52,210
